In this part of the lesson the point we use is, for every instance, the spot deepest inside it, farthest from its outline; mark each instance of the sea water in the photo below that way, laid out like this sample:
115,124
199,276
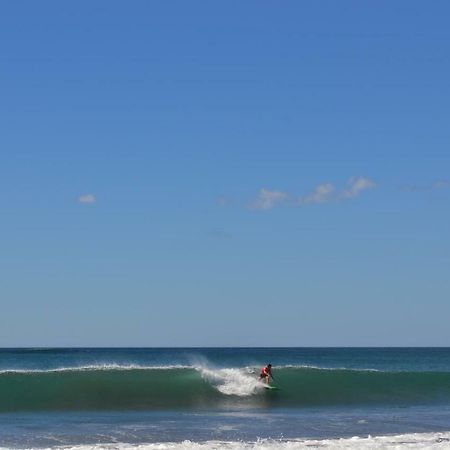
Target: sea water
211,398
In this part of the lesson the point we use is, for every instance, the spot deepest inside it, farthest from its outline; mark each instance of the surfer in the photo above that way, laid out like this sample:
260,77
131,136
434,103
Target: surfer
266,374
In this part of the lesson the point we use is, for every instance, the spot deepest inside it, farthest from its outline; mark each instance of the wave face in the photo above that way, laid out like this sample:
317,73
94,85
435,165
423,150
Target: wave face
150,388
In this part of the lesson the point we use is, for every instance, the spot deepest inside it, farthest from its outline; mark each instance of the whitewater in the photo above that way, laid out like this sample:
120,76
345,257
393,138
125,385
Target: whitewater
410,441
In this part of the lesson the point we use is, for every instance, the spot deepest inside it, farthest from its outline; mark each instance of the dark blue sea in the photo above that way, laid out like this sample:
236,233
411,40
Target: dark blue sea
158,398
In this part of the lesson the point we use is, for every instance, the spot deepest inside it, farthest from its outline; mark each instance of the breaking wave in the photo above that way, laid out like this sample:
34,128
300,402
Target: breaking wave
134,387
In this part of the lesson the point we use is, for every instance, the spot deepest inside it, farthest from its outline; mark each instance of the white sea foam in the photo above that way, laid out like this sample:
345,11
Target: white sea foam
418,441
201,367
240,382
96,367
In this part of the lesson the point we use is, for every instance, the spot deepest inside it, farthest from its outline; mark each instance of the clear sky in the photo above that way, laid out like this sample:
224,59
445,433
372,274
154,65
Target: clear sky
224,173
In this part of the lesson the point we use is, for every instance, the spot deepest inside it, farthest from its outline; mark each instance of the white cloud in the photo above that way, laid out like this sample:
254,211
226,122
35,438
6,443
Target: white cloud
355,186
326,192
268,199
321,194
87,199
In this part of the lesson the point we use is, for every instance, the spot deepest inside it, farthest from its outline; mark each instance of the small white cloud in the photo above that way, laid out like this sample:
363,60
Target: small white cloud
268,199
355,186
322,193
87,199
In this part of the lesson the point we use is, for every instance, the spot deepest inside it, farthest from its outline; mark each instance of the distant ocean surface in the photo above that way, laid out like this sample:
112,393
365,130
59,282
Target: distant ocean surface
211,398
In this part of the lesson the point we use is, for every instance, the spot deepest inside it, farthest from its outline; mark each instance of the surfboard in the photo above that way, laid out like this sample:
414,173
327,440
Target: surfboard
272,387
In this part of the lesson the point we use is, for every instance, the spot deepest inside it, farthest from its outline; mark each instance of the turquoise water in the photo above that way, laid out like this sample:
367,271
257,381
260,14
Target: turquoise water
56,397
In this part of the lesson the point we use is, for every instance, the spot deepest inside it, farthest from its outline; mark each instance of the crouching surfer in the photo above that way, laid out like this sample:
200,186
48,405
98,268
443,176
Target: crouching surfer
266,374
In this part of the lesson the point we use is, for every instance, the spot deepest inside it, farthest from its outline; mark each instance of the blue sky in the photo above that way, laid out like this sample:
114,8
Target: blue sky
224,173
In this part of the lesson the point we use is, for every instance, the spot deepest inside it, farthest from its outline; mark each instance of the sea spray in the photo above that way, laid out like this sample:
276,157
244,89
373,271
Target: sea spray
240,382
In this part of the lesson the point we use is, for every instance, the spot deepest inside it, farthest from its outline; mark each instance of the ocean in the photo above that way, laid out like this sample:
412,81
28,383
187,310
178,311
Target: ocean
203,398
